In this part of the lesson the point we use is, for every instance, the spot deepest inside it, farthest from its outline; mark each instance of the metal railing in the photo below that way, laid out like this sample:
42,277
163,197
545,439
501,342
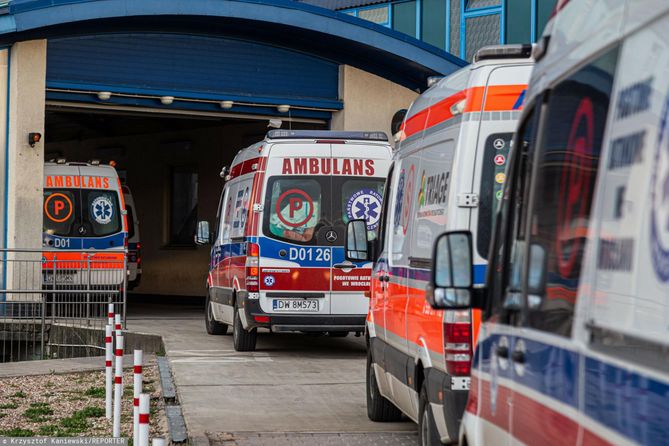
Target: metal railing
54,303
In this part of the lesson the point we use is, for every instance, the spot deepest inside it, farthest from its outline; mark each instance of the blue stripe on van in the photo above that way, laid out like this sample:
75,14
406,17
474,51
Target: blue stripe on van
634,405
77,243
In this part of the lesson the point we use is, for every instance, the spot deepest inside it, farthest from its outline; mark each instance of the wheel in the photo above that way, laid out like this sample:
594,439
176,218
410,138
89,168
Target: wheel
243,340
378,407
213,326
337,334
427,428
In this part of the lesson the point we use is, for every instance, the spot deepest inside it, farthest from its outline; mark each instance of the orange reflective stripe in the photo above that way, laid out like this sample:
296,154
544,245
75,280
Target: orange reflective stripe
503,97
79,260
495,98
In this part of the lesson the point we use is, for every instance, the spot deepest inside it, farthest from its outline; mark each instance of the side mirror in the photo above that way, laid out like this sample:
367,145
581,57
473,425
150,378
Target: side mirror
202,235
357,245
451,286
225,171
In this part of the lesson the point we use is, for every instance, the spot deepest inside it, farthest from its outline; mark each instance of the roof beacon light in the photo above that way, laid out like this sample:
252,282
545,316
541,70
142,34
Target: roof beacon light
326,134
112,163
61,160
94,162
519,51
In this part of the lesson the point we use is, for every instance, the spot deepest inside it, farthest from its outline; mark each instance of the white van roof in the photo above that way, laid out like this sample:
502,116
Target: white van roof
326,134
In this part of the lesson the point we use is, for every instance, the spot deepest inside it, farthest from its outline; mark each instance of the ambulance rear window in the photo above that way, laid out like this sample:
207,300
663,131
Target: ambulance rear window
295,208
493,175
59,211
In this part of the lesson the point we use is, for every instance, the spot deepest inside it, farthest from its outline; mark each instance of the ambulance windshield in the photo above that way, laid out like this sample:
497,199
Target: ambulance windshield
81,212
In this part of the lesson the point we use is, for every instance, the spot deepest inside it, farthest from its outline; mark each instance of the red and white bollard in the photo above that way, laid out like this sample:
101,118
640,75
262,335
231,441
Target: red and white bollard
117,325
158,442
109,376
144,409
118,387
137,390
110,314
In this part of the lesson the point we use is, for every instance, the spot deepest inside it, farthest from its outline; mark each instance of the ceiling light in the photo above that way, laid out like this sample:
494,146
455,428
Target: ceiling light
104,95
283,108
227,104
167,100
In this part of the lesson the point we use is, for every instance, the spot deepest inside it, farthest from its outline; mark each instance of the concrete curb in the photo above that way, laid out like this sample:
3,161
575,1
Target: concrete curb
175,419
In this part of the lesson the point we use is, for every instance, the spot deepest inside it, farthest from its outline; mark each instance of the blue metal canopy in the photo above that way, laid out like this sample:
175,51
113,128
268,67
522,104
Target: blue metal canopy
287,24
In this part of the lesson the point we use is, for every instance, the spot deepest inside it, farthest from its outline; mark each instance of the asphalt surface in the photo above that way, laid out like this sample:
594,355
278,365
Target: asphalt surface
293,390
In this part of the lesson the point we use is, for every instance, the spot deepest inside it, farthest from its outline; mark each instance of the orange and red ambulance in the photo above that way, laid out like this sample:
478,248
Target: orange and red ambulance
447,174
84,225
277,259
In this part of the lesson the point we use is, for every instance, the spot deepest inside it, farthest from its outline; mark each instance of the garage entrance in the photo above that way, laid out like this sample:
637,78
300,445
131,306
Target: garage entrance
171,163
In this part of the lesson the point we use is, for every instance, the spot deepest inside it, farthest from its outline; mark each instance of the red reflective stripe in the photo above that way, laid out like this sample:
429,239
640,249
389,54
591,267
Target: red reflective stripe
118,380
118,326
108,363
118,352
138,369
108,339
143,418
135,402
110,315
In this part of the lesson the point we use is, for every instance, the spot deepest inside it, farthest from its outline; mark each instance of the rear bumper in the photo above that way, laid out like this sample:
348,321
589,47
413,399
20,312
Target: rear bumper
453,402
257,318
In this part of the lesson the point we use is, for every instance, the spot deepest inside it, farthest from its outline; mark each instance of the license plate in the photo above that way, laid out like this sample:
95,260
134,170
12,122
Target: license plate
306,305
60,278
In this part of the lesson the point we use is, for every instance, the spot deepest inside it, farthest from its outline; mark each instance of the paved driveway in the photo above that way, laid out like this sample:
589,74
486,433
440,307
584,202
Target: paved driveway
295,389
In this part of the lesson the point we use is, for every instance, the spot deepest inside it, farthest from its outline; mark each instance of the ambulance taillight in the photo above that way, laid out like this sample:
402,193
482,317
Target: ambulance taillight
458,342
252,270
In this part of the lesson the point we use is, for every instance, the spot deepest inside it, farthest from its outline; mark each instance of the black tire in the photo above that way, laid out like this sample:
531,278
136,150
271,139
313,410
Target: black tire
428,435
337,334
243,340
213,326
378,407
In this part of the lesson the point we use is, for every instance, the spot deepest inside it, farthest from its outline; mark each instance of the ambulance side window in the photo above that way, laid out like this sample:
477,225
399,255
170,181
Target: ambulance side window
567,168
226,216
240,211
384,226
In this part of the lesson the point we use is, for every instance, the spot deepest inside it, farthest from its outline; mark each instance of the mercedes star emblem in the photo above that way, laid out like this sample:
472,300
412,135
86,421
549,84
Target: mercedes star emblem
331,236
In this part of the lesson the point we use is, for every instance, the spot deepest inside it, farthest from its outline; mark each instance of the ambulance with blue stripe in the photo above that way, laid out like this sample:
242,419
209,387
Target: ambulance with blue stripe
574,342
277,260
448,173
84,225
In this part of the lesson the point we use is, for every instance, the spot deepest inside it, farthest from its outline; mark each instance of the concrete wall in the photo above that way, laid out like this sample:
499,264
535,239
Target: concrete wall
369,101
27,77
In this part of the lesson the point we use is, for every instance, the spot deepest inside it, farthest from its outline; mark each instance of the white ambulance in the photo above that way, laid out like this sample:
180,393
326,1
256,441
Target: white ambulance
447,174
574,344
277,259
84,225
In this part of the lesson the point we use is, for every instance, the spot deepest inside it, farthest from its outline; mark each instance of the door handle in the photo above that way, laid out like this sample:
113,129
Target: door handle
503,351
518,356
344,266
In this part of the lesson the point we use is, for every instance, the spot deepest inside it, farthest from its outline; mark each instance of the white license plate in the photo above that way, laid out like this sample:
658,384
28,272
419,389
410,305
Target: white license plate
306,305
60,278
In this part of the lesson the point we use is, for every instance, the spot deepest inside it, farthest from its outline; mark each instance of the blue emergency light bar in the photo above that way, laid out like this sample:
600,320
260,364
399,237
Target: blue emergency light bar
326,134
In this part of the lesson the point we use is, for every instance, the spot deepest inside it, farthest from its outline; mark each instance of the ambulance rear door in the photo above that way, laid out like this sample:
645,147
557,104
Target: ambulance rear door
295,255
102,209
358,177
62,208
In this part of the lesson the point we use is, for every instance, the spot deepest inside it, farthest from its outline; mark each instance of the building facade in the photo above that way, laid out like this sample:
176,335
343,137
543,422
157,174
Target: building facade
460,27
